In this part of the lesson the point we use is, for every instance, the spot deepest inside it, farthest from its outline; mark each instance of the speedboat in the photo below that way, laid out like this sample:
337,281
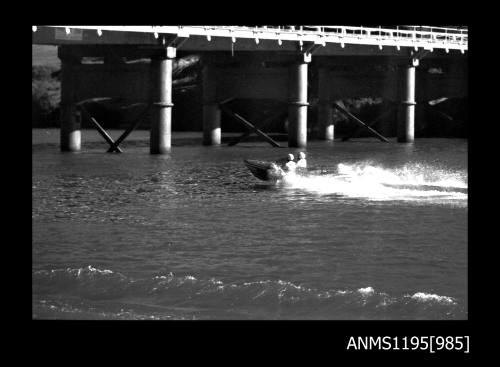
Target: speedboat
271,171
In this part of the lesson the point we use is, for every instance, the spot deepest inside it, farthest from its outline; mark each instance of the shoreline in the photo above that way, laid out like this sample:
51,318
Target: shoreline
41,136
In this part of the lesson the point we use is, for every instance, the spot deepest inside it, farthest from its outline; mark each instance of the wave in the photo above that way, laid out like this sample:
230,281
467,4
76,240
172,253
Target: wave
171,296
426,297
412,182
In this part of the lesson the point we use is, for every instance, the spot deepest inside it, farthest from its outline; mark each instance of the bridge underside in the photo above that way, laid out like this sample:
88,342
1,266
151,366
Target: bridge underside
289,76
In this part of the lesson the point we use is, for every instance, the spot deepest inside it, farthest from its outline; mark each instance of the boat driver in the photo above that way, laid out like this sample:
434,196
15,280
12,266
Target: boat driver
290,165
301,162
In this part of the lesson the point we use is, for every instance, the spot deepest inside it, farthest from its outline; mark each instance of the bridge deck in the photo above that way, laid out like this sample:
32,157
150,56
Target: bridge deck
425,37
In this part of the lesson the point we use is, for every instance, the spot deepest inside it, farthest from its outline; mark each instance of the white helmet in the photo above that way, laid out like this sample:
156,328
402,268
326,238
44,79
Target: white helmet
302,155
290,157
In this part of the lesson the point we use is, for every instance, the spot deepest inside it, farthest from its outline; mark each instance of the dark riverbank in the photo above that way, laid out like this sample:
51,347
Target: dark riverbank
446,118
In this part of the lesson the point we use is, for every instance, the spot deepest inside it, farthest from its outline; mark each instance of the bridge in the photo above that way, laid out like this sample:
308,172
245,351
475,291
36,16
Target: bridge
246,62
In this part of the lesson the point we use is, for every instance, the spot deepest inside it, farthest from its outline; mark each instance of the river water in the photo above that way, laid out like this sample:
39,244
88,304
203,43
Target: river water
378,231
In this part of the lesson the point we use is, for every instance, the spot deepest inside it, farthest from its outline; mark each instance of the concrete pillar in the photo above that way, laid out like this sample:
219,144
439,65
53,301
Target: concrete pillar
325,110
406,127
211,110
70,136
297,109
161,114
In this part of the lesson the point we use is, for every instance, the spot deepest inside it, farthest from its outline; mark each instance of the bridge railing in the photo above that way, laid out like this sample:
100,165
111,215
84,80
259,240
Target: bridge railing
398,36
455,36
422,33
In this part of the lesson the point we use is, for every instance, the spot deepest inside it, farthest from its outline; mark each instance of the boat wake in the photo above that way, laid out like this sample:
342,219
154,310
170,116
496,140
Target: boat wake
412,182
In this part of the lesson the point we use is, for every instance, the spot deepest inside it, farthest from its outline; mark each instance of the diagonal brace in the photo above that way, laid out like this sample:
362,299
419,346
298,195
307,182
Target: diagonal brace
99,128
126,133
372,123
248,125
338,107
260,125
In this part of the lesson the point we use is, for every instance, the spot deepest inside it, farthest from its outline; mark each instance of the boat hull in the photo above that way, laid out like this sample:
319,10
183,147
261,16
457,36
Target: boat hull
259,169
264,170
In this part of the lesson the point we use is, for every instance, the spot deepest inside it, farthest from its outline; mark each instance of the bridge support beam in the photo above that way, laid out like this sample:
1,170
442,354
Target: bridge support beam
161,94
297,109
325,109
211,110
406,126
70,135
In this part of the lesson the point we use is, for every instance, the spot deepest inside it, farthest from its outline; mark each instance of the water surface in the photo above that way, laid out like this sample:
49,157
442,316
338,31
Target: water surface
379,231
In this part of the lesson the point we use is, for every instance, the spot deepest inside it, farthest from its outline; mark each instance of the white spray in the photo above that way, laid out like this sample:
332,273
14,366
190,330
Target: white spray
364,180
